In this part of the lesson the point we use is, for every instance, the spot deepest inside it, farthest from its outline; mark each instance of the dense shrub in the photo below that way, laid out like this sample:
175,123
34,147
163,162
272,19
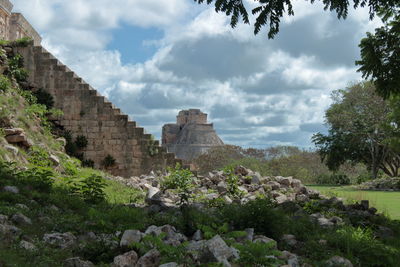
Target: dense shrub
38,156
180,179
232,182
37,178
81,141
5,83
88,163
301,164
260,215
16,68
91,189
44,98
333,179
360,245
255,254
108,161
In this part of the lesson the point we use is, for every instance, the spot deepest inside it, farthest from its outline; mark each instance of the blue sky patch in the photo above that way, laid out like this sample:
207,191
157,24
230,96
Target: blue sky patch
130,41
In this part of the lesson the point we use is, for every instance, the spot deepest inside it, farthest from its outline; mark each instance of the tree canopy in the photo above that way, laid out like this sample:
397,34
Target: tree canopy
380,55
268,13
359,122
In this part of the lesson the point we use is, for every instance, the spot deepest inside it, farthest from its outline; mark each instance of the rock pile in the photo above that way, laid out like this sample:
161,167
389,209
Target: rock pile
384,184
17,136
217,186
198,249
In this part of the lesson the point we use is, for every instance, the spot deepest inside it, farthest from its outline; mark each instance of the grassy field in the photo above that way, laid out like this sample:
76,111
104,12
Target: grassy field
386,202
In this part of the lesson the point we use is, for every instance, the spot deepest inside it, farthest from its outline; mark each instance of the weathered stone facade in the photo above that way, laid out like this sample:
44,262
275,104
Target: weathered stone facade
14,26
86,112
191,136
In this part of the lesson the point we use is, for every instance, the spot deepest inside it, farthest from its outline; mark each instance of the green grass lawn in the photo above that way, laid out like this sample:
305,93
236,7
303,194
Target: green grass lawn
386,202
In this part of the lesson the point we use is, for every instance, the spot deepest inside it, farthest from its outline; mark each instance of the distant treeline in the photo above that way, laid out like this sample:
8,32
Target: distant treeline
292,161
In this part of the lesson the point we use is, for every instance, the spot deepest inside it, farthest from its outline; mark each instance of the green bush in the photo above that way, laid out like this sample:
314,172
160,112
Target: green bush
180,179
23,42
91,189
5,83
259,214
38,156
333,179
98,251
255,254
16,68
81,141
232,182
44,98
37,178
360,246
362,178
108,161
168,253
88,163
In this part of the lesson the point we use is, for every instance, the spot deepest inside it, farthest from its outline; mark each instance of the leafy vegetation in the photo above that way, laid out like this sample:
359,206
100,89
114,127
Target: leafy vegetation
16,68
269,13
258,254
232,182
180,179
278,161
73,199
108,161
358,123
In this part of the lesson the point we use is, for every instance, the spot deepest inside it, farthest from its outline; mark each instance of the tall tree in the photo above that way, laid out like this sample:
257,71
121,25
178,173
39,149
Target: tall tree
269,12
359,130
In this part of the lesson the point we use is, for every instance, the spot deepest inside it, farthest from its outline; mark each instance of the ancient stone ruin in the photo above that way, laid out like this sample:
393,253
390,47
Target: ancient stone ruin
109,132
190,136
14,26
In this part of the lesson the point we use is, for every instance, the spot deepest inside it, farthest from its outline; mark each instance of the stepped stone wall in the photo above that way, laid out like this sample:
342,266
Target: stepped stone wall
87,113
191,135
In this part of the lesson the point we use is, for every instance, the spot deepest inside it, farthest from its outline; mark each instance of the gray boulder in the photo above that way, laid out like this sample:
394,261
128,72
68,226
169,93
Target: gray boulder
264,239
12,149
11,189
150,259
129,237
337,261
153,195
27,246
216,250
60,240
281,198
324,222
274,185
197,236
290,240
77,262
55,160
169,264
21,219
3,219
256,178
126,260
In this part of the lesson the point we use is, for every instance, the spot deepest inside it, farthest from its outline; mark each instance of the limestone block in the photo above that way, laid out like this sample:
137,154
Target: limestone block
17,138
110,123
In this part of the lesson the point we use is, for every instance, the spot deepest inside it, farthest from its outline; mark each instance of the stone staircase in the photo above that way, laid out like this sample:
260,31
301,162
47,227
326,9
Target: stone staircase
87,113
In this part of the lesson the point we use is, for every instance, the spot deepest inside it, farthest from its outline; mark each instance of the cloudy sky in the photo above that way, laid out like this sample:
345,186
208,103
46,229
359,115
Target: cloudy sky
153,58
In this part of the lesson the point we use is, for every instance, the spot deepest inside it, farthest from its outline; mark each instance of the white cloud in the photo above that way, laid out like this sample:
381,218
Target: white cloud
256,91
